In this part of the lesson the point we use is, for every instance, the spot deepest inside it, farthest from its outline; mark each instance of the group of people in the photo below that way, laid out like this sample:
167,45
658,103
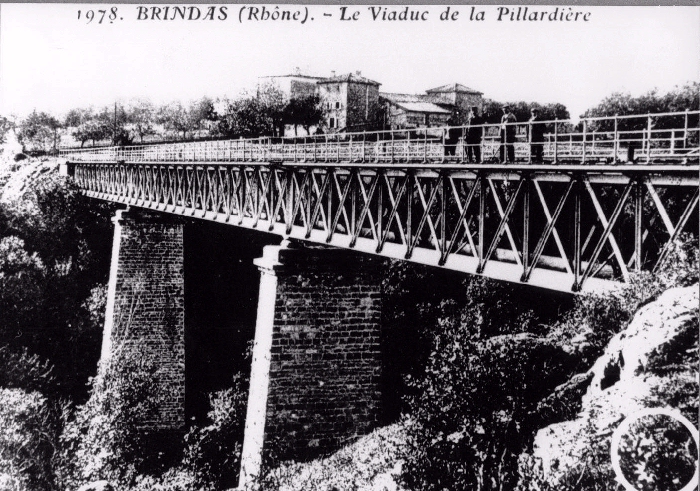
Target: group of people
474,132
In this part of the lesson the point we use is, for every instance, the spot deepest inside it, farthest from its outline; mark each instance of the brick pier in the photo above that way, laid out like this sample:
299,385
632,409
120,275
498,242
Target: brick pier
316,358
145,306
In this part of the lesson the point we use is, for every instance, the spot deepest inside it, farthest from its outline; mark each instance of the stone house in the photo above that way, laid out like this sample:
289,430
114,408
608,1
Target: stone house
432,108
352,102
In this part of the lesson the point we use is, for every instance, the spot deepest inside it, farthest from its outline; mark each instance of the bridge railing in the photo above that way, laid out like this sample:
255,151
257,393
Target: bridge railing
658,137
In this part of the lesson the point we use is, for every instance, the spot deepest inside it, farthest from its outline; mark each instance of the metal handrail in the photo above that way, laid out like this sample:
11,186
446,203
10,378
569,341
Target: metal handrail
564,143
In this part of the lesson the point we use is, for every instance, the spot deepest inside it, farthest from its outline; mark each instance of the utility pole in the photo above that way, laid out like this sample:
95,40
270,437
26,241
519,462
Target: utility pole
114,128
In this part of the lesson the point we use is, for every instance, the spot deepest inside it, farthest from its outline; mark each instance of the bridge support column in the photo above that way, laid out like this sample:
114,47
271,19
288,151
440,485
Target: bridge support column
145,314
316,358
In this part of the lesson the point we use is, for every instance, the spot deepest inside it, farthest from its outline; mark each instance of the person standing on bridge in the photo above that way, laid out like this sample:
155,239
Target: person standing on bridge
537,129
474,134
452,134
508,135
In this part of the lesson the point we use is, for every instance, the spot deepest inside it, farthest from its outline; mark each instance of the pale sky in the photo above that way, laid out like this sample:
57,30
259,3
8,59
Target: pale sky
51,61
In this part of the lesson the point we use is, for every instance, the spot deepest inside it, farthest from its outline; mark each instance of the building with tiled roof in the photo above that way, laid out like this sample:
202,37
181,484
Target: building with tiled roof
433,108
352,102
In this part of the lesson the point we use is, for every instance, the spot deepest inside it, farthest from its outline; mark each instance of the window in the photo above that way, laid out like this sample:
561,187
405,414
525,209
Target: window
328,104
331,123
337,105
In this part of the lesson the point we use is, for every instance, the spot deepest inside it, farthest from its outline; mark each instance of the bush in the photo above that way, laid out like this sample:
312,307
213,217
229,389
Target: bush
29,428
211,458
54,249
107,439
472,407
21,370
213,452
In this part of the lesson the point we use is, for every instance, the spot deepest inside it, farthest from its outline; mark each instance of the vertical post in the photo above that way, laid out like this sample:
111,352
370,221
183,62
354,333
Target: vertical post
409,206
444,193
638,210
407,146
583,150
526,224
482,216
425,146
392,147
577,233
529,139
556,140
648,138
364,140
616,141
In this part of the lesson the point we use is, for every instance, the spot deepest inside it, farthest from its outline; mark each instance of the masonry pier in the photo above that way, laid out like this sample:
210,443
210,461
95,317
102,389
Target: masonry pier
316,359
146,310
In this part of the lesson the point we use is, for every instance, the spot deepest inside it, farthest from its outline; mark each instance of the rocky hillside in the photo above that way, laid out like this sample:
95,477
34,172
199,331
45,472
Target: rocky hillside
651,363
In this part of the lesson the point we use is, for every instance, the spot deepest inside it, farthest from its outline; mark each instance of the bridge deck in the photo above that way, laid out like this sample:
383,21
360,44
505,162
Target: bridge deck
564,226
658,138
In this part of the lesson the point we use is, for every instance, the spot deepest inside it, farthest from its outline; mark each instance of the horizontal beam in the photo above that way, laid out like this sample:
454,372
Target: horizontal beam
430,214
661,175
550,278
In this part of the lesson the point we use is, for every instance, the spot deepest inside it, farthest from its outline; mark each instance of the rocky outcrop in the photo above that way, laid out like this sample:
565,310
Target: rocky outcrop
649,364
21,179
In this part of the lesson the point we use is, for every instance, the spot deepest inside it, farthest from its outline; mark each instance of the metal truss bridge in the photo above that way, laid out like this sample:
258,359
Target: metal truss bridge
582,219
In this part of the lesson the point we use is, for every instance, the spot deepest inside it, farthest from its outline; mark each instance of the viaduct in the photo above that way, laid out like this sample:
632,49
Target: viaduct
585,218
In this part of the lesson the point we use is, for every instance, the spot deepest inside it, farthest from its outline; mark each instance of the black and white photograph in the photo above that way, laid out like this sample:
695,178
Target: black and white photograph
349,247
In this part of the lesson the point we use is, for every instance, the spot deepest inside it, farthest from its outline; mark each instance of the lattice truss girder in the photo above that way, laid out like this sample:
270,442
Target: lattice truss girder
569,229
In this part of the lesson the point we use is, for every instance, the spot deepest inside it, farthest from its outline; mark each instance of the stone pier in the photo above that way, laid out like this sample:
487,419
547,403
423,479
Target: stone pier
316,359
145,307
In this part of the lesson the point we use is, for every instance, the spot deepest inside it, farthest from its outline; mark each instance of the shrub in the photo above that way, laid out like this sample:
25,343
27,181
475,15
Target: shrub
212,455
107,439
21,370
29,428
473,404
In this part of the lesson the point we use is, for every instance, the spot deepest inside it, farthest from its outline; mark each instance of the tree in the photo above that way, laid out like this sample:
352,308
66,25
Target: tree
92,130
303,111
251,116
142,116
493,110
40,131
85,126
622,104
6,124
272,102
186,120
114,120
76,117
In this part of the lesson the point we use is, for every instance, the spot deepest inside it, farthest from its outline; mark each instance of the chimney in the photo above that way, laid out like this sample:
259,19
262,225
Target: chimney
332,73
297,71
358,73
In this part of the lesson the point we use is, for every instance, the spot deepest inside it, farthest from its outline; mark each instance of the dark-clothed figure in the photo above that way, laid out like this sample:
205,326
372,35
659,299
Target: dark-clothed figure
474,134
537,129
452,136
508,135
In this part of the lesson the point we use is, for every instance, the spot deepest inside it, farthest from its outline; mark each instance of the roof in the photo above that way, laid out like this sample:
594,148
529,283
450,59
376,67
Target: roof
453,88
421,107
392,97
349,78
292,75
